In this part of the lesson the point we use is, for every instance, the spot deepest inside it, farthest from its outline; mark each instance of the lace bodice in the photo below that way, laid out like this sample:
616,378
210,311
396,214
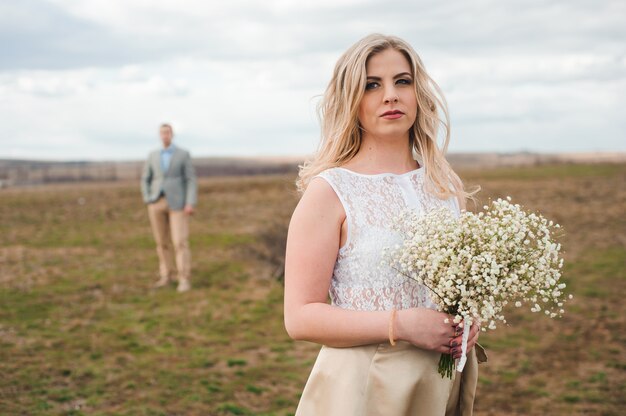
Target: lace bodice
371,202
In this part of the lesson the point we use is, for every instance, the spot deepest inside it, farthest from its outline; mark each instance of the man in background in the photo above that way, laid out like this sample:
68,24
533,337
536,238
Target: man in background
168,185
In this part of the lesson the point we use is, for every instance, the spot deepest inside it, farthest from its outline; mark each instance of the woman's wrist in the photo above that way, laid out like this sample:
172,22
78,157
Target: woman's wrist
392,325
400,325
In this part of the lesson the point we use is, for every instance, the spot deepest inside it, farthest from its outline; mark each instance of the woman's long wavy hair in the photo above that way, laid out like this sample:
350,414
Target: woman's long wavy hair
341,135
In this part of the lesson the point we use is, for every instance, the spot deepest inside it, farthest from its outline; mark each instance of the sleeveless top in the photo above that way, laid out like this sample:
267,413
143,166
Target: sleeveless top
361,281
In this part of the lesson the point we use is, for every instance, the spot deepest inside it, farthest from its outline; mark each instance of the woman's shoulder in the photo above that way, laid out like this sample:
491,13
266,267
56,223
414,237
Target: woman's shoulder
325,182
334,178
330,172
334,184
321,198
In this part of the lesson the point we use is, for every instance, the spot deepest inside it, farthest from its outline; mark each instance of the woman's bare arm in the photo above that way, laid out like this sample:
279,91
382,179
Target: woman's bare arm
313,242
312,245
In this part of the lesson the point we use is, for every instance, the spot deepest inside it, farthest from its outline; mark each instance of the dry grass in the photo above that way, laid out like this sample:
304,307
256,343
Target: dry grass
82,332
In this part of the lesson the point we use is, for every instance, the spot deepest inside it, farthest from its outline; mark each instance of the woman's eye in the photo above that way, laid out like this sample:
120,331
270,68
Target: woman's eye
371,85
404,81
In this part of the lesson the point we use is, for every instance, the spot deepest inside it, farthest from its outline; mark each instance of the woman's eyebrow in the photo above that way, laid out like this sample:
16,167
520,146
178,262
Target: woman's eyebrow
401,74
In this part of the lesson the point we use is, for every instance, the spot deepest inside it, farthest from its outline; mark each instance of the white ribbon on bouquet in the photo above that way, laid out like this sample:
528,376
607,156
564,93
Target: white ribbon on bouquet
461,361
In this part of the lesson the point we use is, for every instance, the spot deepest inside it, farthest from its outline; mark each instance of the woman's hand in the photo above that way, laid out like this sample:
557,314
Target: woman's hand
455,342
426,328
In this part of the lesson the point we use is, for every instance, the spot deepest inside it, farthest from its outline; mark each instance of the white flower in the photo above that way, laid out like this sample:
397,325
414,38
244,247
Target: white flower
477,263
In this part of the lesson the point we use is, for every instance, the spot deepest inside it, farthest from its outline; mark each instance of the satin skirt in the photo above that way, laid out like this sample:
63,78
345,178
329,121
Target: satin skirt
385,380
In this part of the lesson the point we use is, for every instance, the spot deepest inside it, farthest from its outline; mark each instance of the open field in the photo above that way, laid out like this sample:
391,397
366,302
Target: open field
36,172
82,332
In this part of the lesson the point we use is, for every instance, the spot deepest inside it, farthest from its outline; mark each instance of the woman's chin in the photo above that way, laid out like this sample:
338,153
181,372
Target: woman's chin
391,134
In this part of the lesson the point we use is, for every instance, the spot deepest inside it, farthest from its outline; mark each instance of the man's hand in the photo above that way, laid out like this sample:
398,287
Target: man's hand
188,210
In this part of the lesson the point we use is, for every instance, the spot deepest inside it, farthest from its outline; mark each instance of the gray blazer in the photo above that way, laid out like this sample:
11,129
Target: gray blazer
178,183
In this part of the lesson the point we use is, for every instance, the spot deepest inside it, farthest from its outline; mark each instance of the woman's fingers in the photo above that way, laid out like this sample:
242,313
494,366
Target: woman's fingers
455,347
458,338
444,349
455,343
458,329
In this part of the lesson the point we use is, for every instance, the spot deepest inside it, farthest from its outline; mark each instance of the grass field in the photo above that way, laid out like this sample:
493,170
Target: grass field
83,332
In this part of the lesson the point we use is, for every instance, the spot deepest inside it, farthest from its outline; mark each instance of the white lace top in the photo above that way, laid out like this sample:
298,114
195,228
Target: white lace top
360,281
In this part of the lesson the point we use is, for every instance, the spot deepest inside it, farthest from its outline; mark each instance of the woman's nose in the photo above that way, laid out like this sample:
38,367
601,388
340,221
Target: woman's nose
391,96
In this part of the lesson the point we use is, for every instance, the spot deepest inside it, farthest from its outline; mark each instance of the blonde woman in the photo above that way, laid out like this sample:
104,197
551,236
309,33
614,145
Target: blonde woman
378,155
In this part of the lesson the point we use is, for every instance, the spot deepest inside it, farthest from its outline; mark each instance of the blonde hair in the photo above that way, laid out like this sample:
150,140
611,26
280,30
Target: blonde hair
341,131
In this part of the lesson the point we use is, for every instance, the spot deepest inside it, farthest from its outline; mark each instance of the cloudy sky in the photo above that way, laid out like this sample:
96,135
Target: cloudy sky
92,79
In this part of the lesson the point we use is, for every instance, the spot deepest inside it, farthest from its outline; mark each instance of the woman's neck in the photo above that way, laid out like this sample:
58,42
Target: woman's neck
378,155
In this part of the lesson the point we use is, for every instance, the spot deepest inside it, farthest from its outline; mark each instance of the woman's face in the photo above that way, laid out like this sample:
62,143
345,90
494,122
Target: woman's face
389,106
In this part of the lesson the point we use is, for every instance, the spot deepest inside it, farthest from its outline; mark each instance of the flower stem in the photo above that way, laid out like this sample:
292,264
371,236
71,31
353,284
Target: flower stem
446,365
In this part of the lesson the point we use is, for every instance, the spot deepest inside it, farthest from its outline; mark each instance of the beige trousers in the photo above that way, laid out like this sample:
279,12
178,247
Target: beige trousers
385,380
171,229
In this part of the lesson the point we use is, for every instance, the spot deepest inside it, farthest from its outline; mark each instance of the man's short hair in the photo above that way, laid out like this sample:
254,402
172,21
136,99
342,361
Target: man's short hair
167,125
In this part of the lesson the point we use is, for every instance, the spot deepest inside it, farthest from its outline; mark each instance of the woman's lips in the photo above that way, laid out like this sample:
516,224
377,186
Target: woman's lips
392,115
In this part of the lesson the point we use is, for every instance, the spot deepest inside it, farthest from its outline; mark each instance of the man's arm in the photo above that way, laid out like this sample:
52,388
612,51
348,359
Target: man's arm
189,174
146,180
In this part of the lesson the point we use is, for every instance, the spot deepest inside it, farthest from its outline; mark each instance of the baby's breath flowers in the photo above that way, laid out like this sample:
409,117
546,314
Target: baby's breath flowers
476,263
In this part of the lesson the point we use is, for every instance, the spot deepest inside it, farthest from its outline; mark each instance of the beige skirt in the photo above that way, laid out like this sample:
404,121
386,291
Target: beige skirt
385,380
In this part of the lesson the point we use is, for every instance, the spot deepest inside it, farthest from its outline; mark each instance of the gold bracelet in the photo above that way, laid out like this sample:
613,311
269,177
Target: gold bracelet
391,318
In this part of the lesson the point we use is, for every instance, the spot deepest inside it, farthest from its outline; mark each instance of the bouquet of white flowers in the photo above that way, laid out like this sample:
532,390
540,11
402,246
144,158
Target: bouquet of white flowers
475,264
